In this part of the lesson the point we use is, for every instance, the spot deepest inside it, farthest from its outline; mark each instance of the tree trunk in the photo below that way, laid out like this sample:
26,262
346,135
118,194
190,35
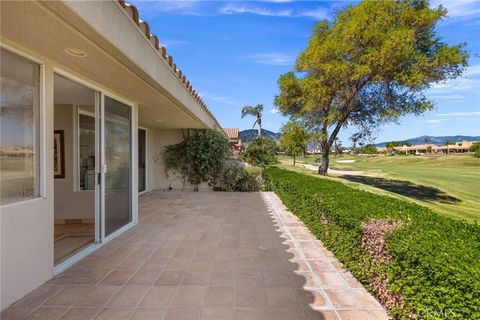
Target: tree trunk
323,169
294,159
259,121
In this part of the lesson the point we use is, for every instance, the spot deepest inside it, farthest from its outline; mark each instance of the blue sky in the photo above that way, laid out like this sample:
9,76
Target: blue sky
234,51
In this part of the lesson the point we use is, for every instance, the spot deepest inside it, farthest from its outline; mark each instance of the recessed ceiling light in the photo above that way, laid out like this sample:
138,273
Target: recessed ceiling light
159,120
76,52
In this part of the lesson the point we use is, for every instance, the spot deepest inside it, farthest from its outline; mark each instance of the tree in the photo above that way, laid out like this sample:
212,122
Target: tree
261,153
369,149
255,111
338,147
294,138
368,67
354,138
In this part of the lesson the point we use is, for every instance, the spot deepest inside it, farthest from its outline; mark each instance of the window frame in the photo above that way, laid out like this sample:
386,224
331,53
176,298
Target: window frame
40,132
76,155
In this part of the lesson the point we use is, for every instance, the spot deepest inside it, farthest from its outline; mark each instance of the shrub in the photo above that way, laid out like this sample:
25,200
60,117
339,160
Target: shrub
238,177
252,179
475,148
200,157
261,152
435,261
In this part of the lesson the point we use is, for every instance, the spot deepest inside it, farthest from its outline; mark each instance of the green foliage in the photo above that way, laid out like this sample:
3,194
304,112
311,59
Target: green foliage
294,138
475,147
392,144
237,177
435,260
370,65
199,157
369,149
261,152
476,154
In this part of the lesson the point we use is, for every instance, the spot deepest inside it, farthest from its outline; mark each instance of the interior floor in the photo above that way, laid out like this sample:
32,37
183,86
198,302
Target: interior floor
70,238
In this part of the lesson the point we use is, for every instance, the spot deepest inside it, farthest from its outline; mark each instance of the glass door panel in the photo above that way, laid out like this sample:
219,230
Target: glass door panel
117,155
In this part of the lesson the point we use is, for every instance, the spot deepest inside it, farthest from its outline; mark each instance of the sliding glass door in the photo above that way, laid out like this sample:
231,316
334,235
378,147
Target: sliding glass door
117,165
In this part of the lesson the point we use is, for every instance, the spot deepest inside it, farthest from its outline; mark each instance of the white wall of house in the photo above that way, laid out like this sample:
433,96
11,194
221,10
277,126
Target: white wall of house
27,227
157,140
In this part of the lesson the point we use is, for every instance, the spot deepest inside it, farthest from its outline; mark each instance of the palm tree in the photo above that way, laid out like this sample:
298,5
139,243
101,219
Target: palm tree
257,112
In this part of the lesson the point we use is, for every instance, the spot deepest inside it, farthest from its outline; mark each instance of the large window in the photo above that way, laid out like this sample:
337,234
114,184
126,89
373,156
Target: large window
19,113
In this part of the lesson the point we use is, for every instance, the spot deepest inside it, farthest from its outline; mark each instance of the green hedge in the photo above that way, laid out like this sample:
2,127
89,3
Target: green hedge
436,260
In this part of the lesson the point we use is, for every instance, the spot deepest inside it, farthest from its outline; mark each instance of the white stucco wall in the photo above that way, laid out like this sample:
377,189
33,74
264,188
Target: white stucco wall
157,140
27,227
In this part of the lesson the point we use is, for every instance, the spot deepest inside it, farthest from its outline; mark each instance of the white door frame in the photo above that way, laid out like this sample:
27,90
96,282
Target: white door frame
100,238
133,167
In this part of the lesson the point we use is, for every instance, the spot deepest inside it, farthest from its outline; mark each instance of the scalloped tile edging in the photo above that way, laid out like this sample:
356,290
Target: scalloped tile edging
334,287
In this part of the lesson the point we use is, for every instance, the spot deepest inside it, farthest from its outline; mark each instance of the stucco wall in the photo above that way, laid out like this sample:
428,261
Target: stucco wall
27,227
70,203
157,140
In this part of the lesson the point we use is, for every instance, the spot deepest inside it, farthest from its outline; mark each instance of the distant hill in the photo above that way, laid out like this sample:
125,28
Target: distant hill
250,134
434,140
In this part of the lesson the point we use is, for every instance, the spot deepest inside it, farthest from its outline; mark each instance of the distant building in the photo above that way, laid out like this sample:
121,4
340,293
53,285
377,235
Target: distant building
421,149
234,142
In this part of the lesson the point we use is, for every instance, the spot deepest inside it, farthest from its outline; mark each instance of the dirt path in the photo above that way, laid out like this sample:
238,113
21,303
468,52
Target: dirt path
333,171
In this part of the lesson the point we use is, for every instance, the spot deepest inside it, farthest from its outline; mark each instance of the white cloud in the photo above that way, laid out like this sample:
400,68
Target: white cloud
274,111
460,9
459,114
186,7
274,59
217,98
456,89
447,97
234,8
435,121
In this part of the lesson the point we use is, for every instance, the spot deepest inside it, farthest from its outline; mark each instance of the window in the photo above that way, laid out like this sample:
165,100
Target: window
19,128
86,152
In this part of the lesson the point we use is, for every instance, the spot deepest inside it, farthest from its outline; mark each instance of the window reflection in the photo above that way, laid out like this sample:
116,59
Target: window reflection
19,104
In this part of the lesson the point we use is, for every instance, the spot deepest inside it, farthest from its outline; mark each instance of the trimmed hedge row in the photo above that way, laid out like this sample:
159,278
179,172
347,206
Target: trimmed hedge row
435,260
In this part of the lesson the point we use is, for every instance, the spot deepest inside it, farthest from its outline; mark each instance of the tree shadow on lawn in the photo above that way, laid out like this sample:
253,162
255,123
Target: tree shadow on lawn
405,188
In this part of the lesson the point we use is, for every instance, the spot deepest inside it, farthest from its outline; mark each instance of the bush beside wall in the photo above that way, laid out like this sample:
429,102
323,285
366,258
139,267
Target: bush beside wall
435,261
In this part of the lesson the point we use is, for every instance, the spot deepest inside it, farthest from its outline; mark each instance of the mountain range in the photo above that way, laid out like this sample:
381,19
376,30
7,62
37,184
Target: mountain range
434,140
250,134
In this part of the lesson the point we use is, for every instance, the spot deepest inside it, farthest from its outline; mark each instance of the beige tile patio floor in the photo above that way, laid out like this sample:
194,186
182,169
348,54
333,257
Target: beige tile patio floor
205,256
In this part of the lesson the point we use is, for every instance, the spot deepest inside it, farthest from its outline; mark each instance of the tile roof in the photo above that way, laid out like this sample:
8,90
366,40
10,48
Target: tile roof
132,12
232,133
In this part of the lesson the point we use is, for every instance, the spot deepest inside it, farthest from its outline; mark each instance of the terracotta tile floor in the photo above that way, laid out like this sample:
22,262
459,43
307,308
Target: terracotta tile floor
205,256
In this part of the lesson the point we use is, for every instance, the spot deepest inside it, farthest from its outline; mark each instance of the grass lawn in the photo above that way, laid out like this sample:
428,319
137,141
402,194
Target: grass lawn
450,185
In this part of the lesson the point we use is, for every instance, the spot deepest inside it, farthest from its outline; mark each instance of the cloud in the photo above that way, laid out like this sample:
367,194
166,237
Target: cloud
435,121
218,98
459,114
456,89
460,9
185,7
274,59
234,8
447,97
171,43
274,111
